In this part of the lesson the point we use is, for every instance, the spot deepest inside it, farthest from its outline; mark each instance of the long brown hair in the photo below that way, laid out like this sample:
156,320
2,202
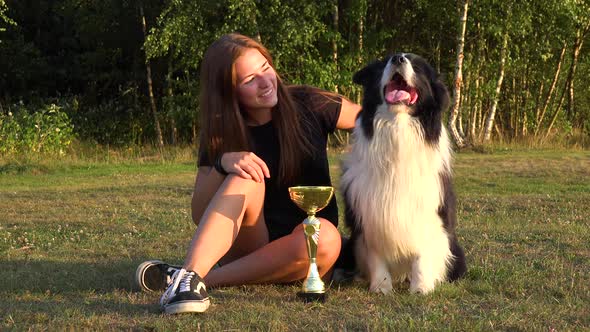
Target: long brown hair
223,125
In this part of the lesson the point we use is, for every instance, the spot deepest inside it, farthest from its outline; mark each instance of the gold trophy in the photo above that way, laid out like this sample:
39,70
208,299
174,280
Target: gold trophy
312,199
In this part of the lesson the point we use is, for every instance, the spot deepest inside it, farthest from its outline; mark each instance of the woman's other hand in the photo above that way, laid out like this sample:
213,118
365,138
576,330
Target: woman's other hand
245,164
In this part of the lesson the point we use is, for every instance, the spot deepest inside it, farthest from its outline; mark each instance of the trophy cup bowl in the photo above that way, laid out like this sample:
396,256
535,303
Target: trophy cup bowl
312,199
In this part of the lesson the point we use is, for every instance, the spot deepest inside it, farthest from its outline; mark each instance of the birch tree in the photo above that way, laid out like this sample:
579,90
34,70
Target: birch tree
148,67
335,23
581,33
541,113
569,83
492,113
457,137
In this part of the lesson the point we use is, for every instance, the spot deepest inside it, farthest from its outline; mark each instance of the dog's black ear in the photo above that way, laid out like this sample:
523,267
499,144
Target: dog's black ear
441,94
370,71
360,76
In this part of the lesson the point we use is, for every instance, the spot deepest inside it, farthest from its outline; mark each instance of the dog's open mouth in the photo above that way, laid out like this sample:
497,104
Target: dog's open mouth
398,91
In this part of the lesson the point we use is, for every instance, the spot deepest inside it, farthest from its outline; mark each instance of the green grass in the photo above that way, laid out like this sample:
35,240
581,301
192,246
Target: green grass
72,233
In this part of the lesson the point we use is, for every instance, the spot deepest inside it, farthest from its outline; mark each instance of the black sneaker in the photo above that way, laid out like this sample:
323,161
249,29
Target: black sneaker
154,275
186,293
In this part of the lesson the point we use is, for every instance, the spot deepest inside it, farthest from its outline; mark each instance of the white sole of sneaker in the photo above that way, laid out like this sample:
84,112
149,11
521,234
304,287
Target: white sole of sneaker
186,307
140,275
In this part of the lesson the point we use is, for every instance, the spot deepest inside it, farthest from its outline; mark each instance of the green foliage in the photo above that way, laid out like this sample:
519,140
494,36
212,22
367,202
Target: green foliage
95,52
86,55
179,112
184,30
47,129
4,19
121,120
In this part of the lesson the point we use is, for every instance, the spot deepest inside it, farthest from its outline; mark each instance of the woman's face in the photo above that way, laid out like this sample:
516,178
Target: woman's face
256,83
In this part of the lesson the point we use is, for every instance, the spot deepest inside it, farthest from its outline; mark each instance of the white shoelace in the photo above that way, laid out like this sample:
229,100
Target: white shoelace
185,283
170,271
172,286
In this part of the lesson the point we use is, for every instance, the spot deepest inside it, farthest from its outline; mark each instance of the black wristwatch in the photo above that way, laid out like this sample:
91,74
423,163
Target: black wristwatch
219,167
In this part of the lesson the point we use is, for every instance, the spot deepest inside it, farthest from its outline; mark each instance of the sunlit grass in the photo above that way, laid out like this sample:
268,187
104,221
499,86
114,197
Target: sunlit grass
73,229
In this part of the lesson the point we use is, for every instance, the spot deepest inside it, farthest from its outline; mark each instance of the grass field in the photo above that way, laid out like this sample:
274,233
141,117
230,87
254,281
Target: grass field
72,233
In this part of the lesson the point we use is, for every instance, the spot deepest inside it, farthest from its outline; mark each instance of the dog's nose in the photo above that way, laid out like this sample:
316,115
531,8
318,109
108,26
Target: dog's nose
398,59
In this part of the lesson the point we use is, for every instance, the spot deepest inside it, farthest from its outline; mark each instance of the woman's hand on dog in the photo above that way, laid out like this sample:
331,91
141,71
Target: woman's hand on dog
246,165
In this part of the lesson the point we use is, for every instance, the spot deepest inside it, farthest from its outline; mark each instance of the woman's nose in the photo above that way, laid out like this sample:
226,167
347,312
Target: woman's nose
265,82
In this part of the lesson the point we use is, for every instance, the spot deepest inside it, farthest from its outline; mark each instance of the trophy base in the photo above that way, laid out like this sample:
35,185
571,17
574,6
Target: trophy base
312,297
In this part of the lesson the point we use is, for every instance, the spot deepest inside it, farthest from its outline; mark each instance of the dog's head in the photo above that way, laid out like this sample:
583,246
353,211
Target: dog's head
403,83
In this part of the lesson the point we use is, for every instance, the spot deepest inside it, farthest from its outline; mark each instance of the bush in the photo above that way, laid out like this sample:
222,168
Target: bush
109,123
46,130
121,119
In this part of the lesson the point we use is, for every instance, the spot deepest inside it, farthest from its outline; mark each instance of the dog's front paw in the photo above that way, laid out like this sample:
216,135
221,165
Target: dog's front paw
384,286
421,288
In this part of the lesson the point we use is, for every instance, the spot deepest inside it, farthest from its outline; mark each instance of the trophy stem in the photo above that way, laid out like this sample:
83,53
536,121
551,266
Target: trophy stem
313,282
313,286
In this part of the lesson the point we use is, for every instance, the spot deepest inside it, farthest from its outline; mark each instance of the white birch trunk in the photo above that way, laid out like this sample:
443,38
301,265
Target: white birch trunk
569,84
487,134
474,111
334,41
580,35
540,118
459,140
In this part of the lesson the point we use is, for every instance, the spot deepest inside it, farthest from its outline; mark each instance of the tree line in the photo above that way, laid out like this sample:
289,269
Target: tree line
126,71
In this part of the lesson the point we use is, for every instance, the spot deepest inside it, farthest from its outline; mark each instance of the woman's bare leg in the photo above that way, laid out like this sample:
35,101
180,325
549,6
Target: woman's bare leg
235,208
232,229
281,261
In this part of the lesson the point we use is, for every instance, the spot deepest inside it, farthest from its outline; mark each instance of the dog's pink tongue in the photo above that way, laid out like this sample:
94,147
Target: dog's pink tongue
395,96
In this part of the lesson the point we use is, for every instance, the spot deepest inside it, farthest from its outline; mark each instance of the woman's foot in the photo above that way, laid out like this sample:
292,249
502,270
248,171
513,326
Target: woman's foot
185,293
154,275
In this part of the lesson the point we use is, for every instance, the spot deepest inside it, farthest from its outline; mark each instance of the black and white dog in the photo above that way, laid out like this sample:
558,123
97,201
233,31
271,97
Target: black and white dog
400,204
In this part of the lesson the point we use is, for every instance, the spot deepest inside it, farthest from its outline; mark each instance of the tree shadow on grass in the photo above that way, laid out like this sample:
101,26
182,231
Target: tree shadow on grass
59,277
50,288
82,305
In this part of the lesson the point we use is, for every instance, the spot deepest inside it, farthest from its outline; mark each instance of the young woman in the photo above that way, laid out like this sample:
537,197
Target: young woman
259,137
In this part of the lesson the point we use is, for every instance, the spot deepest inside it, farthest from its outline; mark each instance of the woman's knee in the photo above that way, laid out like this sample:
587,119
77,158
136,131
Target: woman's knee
236,183
329,243
235,190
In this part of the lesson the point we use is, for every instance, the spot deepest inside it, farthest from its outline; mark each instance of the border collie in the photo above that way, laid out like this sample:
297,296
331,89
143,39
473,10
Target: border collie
396,180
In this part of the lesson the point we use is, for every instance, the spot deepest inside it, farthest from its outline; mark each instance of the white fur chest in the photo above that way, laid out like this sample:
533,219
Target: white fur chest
393,181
